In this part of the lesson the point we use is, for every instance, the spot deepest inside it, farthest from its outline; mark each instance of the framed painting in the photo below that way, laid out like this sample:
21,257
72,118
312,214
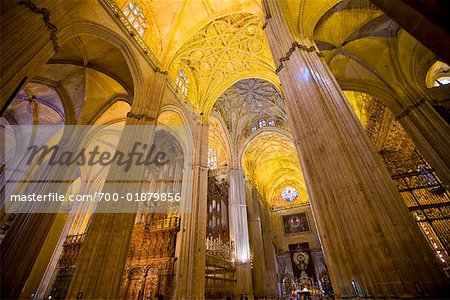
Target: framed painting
296,223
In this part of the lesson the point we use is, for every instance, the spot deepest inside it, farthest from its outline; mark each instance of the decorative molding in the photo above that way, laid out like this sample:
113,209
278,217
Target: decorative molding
237,37
409,109
46,16
295,46
140,116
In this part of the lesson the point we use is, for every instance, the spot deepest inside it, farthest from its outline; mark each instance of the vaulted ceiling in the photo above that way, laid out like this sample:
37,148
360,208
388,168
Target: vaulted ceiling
243,104
221,53
172,23
221,47
271,162
364,48
269,158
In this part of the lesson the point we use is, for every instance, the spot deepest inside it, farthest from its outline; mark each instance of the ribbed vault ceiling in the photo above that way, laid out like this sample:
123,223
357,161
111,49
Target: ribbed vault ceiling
271,163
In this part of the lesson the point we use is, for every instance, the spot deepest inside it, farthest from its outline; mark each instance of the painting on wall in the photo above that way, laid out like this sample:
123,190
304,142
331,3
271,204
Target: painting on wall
295,223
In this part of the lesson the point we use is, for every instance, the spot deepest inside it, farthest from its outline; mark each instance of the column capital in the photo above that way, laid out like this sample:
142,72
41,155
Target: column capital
409,108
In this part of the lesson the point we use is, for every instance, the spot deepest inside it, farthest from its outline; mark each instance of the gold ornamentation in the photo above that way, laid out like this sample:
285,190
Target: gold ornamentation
224,49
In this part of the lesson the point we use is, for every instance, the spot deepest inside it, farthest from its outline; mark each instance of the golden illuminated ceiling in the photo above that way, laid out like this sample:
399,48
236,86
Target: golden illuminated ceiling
271,163
228,49
215,42
269,158
170,118
116,113
170,23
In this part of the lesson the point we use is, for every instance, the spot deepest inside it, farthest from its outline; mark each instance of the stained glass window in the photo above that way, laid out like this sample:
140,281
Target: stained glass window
271,122
262,123
289,194
212,158
182,83
136,17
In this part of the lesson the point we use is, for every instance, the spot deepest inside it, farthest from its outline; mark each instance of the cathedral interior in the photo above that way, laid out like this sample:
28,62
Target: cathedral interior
319,158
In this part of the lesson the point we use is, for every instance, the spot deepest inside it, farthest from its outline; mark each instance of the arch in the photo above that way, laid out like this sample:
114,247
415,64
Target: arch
69,111
180,112
255,134
270,161
226,145
239,37
172,53
269,76
109,104
386,95
437,70
93,29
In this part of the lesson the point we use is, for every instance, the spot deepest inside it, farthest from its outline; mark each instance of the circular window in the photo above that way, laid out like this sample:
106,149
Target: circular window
289,194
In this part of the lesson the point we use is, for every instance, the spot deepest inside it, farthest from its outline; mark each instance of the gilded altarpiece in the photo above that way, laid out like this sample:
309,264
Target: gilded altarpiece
66,265
423,192
149,267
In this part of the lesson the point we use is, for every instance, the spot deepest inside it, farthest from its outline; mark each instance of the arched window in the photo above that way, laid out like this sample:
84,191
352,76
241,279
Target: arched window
133,12
182,83
212,158
262,123
289,194
438,75
271,122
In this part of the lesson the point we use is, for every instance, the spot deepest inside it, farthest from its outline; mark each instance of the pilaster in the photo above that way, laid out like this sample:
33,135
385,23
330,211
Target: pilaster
101,264
371,244
191,240
238,220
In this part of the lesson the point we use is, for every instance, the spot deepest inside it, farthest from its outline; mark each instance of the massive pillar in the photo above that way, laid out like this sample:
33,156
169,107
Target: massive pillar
191,244
371,243
29,231
100,267
431,135
27,41
270,273
256,243
238,221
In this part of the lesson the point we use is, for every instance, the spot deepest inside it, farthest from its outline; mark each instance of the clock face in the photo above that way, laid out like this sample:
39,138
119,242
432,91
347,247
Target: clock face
289,194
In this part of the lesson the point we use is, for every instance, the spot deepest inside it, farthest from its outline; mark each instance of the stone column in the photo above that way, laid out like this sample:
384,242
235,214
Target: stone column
26,238
270,273
256,243
191,240
51,270
371,243
431,135
238,221
75,224
102,259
